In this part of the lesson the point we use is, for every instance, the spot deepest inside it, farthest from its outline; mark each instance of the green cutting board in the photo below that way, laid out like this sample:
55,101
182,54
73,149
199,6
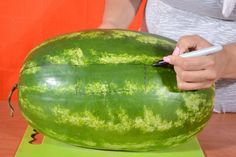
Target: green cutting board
52,148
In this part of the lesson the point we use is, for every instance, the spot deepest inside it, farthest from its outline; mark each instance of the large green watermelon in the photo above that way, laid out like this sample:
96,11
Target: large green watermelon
98,89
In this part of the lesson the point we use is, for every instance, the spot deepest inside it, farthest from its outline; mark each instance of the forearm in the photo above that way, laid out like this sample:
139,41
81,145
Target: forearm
230,69
119,13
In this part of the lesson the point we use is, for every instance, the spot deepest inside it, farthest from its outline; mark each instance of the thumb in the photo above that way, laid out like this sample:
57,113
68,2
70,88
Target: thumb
192,42
187,43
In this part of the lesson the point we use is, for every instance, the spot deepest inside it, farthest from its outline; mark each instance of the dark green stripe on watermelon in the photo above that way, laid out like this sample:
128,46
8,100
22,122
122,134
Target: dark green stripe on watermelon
97,89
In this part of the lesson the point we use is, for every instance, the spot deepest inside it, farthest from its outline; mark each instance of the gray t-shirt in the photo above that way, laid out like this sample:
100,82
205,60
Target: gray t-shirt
211,8
176,18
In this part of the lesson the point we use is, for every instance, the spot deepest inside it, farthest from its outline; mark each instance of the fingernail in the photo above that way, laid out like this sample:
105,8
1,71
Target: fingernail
166,59
176,52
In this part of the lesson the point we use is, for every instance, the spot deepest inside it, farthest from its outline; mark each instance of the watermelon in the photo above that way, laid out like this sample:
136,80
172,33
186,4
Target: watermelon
98,89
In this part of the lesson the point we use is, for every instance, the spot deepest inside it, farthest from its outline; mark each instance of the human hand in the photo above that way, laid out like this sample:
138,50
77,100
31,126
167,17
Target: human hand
196,72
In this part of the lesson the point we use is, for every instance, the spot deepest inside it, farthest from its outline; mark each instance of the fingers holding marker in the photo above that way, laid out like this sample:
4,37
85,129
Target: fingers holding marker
193,72
190,64
193,86
196,76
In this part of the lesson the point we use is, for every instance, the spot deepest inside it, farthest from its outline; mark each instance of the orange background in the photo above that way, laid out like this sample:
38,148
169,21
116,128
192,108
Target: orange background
26,23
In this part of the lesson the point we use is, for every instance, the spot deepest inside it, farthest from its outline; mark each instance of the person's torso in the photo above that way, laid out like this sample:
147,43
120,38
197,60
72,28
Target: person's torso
211,8
176,18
